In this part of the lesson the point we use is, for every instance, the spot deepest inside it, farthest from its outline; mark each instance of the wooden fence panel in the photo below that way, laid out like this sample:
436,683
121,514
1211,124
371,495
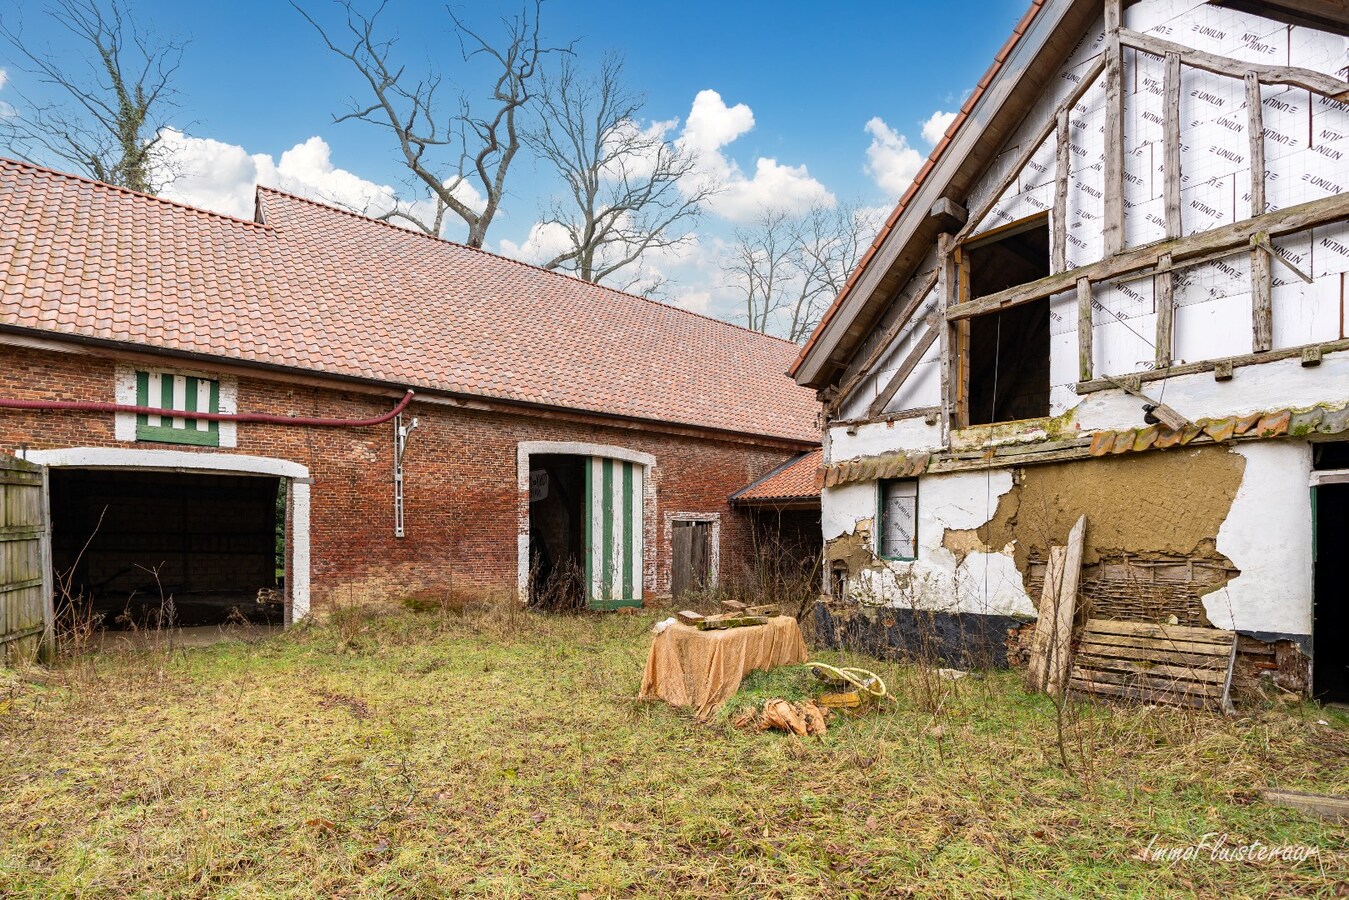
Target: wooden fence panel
25,570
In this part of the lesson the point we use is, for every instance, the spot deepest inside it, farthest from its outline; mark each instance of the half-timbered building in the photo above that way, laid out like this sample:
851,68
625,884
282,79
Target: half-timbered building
1116,289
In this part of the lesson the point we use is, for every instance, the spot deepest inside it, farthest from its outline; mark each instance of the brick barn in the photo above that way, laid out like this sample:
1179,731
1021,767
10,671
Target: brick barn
559,431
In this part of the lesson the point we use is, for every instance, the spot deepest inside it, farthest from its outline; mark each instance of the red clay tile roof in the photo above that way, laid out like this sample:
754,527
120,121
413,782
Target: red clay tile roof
793,480
316,288
928,165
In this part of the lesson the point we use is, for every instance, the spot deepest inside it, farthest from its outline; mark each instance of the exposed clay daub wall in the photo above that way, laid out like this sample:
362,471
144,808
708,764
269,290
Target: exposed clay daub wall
1170,503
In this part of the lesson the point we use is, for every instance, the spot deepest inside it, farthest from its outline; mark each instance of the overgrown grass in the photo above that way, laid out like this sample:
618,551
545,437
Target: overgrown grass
501,753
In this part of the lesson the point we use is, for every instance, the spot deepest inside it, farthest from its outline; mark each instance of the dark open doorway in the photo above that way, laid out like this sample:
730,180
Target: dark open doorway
1009,349
147,550
557,530
1330,606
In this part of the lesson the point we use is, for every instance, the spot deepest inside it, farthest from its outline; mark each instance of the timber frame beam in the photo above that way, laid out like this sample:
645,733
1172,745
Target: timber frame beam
883,345
1310,354
1308,79
1120,263
1032,147
1146,261
905,370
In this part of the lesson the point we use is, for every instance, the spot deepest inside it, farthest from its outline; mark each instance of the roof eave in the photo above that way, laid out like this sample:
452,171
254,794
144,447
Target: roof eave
801,443
1058,24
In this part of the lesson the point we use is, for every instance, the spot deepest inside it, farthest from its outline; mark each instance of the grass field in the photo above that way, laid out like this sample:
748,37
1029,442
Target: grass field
501,754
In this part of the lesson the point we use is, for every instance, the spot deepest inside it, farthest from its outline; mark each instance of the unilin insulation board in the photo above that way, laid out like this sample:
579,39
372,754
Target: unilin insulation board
923,386
1306,142
1306,150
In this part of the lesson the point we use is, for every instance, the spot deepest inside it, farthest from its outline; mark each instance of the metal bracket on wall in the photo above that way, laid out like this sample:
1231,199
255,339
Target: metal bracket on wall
400,441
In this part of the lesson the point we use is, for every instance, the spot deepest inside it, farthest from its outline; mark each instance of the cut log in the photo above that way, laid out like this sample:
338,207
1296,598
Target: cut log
1325,806
689,617
716,623
814,717
783,716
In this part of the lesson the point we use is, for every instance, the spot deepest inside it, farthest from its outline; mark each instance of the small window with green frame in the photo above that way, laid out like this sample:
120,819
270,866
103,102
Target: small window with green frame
184,394
898,516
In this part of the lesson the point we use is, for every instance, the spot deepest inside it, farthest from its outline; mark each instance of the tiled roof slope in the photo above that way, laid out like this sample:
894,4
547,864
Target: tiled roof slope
317,288
797,479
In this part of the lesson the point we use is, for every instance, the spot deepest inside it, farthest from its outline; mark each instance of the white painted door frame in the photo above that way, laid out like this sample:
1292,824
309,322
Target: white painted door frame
525,449
145,459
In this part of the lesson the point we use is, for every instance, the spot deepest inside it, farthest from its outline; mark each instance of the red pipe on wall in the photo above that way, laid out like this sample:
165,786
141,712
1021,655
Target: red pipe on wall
83,406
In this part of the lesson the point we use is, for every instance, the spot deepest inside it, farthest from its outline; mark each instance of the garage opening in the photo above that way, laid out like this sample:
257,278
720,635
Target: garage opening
1009,349
146,550
557,530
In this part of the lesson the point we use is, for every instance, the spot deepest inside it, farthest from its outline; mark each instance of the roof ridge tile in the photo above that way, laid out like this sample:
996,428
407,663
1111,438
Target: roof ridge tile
6,161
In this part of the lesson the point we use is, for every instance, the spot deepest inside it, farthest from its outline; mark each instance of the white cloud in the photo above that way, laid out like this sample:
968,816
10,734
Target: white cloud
6,109
935,126
307,169
221,177
710,127
695,301
211,174
790,188
891,162
544,241
712,124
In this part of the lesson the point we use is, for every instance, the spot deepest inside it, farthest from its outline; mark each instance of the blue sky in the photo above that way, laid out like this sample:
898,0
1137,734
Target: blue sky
256,77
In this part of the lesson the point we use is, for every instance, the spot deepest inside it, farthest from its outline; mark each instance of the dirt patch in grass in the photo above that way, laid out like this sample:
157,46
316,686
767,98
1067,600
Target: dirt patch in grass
500,753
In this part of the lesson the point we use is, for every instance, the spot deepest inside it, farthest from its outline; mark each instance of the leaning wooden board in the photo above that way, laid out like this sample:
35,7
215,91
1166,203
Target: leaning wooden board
1172,664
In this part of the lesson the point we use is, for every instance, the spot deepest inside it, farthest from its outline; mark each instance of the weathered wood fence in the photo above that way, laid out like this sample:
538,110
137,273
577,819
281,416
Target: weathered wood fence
25,567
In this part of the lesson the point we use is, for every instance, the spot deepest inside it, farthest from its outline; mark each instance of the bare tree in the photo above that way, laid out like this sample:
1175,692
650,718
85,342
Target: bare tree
454,151
113,105
760,263
628,190
789,268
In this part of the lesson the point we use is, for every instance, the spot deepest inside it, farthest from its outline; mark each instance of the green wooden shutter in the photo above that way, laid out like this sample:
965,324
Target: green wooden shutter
177,393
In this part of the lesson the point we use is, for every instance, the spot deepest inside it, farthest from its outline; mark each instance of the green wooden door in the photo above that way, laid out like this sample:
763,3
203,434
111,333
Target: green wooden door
613,533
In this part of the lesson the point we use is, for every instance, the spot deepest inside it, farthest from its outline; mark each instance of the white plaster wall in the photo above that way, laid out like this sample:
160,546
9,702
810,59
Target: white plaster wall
936,580
1268,536
843,507
1266,387
912,435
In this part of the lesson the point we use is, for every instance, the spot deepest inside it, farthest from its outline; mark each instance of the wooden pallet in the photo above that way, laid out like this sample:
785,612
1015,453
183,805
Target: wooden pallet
1172,664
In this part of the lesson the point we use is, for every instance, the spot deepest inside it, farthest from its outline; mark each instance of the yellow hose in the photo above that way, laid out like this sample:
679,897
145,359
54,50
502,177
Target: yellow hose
867,682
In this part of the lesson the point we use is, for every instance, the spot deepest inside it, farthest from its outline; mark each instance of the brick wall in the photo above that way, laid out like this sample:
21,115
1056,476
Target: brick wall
461,489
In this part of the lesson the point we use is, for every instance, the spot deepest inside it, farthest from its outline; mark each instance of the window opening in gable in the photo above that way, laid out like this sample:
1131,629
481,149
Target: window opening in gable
1008,367
179,393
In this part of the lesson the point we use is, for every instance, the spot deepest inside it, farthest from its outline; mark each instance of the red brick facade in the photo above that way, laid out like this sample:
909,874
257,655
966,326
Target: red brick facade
462,500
